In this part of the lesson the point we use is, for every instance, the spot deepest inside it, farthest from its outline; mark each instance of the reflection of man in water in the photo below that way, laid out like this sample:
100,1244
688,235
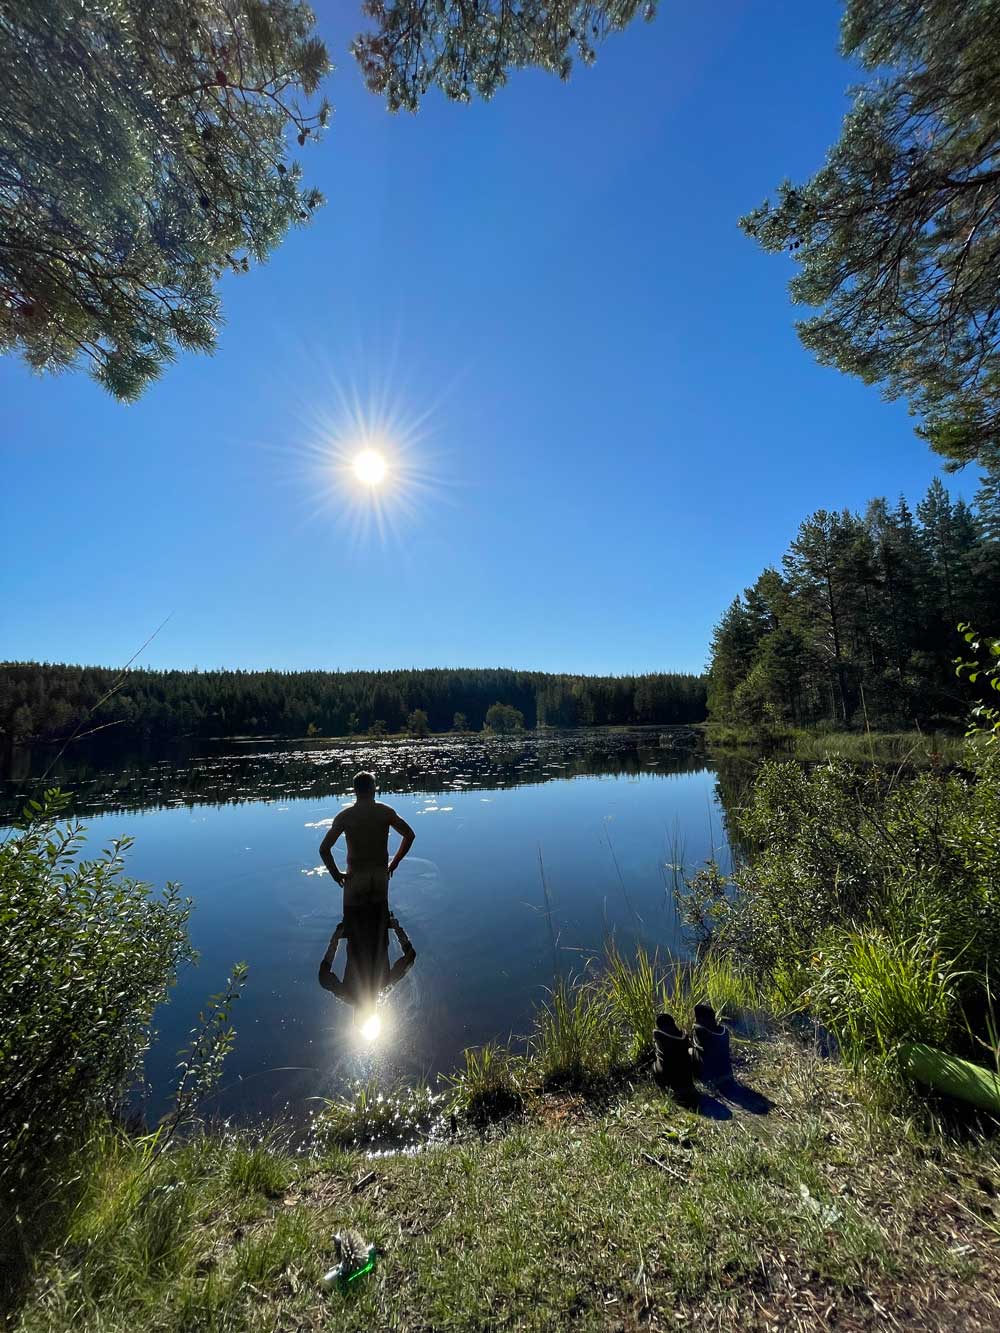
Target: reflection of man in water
367,970
366,825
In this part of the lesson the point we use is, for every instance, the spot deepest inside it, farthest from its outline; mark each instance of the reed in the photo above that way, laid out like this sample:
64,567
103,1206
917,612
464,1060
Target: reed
876,993
573,1038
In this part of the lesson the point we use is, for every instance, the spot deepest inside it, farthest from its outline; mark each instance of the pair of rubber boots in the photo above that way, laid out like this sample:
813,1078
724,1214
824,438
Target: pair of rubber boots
678,1060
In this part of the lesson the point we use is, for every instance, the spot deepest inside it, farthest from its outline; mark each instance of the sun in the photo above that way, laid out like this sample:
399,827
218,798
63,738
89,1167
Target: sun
369,467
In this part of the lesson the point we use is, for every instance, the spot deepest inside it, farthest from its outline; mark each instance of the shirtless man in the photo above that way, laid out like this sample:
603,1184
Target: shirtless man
366,825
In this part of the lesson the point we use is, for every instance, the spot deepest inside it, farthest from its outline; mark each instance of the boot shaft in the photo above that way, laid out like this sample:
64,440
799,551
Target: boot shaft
712,1056
673,1068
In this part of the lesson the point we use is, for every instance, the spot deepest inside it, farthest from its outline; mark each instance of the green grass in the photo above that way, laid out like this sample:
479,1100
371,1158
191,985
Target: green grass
632,1214
875,993
712,979
908,748
373,1112
632,991
490,1086
590,1034
254,1170
572,1043
915,748
558,1188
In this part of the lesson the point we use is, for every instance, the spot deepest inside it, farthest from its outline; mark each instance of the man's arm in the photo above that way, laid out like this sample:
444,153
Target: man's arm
331,948
326,850
402,965
328,979
406,833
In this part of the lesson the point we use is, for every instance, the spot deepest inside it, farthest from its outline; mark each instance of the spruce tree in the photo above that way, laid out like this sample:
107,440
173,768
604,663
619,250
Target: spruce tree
987,502
814,567
934,513
733,643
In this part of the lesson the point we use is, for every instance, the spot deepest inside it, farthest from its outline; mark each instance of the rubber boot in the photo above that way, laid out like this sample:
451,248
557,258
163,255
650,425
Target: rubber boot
712,1060
672,1067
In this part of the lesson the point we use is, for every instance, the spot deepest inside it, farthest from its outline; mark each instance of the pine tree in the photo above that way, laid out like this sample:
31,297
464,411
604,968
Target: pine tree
462,48
142,155
897,236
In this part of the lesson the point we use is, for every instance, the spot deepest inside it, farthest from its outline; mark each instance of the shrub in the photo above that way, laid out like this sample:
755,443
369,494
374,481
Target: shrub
503,719
86,955
702,903
417,723
871,891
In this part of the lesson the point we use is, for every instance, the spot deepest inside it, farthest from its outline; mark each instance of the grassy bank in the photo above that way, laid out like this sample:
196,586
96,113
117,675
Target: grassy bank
616,1213
884,747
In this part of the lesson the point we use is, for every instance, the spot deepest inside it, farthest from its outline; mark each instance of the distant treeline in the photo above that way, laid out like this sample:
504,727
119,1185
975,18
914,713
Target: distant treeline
47,701
860,620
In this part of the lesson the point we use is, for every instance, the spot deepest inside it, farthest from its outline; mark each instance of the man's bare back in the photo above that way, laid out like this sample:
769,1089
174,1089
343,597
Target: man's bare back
365,826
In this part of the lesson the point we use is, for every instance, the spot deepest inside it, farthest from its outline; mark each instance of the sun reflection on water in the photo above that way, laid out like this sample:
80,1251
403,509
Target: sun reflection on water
370,1027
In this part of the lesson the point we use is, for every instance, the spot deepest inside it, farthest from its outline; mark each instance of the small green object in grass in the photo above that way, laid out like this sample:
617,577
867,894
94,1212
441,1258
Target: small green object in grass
357,1259
345,1279
957,1078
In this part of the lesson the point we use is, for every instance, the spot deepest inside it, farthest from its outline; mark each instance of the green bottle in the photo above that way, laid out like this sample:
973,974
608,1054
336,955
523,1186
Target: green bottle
356,1260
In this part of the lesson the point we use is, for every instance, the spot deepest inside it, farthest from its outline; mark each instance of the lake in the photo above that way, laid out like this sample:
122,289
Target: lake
530,852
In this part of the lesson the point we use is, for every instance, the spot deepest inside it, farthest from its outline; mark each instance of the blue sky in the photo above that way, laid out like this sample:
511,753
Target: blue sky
604,424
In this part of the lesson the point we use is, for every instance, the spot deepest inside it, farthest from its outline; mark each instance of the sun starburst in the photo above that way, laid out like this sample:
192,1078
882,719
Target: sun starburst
368,461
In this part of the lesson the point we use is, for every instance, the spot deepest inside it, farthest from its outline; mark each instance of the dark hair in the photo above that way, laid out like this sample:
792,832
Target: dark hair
364,784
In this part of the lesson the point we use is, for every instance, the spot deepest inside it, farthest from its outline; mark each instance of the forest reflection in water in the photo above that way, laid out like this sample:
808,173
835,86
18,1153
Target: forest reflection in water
103,776
531,851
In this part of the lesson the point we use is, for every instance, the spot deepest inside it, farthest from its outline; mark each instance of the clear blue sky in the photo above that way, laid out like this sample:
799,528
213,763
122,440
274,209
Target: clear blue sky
620,428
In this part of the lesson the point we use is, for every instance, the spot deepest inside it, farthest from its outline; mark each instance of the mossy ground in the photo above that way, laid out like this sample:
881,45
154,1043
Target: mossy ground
826,1212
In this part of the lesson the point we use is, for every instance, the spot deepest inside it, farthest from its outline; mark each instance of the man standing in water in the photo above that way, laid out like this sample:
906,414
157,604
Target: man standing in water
366,825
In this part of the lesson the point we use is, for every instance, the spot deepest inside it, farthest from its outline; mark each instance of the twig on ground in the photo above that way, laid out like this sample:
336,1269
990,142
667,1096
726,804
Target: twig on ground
657,1161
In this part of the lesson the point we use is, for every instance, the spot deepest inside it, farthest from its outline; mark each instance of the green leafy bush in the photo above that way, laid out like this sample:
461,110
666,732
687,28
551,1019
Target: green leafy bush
503,719
872,898
987,668
86,955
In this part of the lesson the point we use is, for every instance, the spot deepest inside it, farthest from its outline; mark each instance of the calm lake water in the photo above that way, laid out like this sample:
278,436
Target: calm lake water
530,852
